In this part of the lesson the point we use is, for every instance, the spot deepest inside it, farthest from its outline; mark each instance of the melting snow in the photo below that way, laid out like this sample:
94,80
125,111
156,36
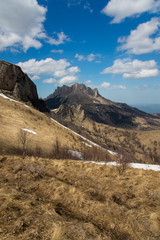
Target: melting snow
10,99
133,165
76,134
29,131
75,154
145,166
112,153
88,145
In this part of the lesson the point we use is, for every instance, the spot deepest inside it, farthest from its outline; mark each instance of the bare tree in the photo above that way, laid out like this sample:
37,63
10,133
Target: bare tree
123,159
24,140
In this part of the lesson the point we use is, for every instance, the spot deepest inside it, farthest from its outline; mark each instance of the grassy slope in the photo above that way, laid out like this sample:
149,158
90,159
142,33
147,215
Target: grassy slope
71,200
14,116
137,142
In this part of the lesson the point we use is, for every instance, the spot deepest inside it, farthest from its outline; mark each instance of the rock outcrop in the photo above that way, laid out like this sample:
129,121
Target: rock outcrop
20,86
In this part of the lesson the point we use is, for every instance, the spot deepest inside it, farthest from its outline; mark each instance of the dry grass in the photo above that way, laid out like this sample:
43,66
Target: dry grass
139,143
69,200
14,116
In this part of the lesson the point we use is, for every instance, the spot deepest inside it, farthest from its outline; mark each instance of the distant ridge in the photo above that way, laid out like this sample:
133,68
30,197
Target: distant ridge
78,102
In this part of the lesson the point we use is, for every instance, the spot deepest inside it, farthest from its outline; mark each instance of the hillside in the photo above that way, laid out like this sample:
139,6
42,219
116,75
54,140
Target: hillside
64,200
78,103
50,191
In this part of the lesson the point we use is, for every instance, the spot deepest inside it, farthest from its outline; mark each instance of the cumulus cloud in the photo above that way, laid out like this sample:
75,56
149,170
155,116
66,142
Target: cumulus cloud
44,67
21,24
61,39
90,58
133,69
121,9
50,80
65,72
35,77
107,85
141,40
68,80
79,57
59,70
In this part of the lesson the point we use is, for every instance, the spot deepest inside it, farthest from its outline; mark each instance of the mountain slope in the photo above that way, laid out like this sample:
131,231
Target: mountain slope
78,102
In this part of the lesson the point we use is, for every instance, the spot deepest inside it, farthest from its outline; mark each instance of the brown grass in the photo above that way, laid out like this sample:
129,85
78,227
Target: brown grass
140,144
14,116
63,200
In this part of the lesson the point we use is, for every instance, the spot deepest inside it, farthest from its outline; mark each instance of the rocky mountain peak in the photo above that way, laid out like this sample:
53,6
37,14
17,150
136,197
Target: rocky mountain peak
19,85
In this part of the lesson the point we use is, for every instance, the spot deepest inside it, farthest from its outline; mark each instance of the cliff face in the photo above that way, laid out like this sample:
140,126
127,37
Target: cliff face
14,80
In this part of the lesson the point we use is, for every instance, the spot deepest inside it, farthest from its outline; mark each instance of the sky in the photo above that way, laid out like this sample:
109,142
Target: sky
111,45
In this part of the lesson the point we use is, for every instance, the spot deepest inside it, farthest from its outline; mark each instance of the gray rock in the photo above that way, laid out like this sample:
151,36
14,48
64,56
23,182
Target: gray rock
13,79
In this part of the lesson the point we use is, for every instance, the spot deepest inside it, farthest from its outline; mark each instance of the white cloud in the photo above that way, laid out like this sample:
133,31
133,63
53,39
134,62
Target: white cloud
133,69
68,80
35,77
43,67
57,51
61,39
68,71
21,24
88,81
50,80
60,69
141,40
90,58
107,85
121,9
79,57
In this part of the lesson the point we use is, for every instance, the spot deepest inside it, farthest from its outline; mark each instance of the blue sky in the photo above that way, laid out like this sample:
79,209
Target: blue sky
111,45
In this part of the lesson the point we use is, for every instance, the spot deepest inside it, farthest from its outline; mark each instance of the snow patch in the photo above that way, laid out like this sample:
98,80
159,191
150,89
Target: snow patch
145,166
76,133
112,153
132,165
88,145
75,154
10,99
29,131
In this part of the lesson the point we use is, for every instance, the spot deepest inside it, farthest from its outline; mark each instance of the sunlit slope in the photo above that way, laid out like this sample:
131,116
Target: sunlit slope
15,115
72,200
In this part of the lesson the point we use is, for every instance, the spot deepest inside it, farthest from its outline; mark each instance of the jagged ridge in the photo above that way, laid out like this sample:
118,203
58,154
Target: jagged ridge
77,99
